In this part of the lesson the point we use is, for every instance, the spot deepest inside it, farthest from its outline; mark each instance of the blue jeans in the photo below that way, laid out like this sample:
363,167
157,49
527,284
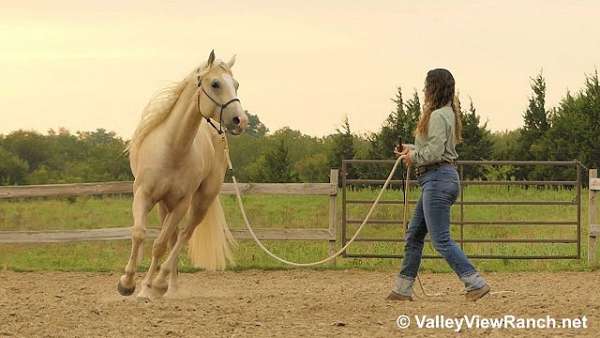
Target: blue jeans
440,188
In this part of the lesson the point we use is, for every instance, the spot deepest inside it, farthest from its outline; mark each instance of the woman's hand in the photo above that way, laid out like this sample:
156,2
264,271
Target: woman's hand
405,154
407,159
401,150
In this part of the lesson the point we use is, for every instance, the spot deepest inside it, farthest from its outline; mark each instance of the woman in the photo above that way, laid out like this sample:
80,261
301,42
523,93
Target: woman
438,131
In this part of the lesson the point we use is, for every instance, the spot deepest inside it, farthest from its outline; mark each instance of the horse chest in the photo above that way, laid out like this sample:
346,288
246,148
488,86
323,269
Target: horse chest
189,174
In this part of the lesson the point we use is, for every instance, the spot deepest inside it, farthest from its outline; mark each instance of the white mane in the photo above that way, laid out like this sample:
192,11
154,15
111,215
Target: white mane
156,111
161,104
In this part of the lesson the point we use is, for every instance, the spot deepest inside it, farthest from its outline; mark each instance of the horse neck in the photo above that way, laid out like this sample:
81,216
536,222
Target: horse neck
184,120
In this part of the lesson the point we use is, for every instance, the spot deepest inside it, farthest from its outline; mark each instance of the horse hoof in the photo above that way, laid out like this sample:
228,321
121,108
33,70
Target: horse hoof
125,291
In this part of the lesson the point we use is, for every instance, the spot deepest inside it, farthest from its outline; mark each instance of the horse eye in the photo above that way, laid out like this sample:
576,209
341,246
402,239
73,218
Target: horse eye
215,84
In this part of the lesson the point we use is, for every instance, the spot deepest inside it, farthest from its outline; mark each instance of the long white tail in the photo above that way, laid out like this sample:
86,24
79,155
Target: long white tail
210,245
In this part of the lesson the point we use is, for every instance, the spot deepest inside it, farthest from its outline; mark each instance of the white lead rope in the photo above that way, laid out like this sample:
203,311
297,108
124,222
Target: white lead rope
339,252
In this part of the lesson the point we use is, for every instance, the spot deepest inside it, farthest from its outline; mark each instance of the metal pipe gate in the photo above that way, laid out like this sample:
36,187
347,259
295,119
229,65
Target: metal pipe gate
347,183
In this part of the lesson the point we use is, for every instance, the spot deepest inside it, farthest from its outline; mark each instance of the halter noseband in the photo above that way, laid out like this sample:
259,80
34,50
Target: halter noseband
222,106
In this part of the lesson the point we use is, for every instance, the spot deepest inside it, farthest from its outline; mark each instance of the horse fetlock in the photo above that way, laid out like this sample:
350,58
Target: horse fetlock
129,271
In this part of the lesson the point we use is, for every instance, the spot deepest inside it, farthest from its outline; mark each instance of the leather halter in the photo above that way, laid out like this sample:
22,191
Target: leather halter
222,106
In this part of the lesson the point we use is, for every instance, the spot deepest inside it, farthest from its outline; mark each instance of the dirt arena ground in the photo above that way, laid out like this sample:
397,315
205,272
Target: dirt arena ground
293,303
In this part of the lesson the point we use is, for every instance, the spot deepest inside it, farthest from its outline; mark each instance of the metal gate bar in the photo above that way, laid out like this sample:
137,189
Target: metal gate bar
346,182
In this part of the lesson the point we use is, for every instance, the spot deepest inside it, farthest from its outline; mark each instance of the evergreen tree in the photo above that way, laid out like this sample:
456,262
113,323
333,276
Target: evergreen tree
400,124
535,125
383,142
277,163
477,142
342,148
413,112
575,129
343,145
535,118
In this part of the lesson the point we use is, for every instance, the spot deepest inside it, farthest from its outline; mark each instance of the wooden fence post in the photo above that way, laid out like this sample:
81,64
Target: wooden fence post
333,180
593,224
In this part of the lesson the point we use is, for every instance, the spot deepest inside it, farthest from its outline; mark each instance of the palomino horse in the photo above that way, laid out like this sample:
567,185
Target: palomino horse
177,155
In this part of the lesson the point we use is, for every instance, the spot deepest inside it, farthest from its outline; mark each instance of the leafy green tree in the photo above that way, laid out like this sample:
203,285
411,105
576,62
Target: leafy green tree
505,147
40,176
12,168
313,168
106,160
255,127
249,155
246,150
505,144
30,146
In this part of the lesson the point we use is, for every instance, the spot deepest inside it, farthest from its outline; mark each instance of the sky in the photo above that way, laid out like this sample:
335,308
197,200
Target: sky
307,64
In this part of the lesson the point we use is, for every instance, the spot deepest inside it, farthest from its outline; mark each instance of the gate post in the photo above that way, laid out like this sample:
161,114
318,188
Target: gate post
333,180
593,224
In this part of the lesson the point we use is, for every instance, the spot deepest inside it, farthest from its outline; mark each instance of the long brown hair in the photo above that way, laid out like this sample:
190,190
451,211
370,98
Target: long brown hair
439,91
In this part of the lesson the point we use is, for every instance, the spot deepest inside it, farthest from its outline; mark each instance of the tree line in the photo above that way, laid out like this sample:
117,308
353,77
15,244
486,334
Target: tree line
569,131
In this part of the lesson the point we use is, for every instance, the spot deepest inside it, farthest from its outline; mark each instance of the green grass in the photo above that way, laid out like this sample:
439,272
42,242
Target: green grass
279,211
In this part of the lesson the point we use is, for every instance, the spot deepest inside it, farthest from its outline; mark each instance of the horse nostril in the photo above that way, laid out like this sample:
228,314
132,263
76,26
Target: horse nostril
236,121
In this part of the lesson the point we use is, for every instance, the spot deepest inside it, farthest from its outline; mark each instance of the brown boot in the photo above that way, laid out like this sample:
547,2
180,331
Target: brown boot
397,296
476,294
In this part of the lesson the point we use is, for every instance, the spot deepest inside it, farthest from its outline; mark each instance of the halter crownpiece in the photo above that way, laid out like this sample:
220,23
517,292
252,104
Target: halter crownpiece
222,106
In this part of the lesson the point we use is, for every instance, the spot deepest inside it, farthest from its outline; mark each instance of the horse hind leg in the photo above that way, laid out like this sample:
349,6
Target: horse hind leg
141,207
169,228
197,212
172,289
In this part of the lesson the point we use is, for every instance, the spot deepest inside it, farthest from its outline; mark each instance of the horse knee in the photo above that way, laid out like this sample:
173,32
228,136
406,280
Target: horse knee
138,233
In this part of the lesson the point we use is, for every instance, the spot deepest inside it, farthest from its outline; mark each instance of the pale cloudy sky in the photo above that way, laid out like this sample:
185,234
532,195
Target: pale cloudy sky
305,64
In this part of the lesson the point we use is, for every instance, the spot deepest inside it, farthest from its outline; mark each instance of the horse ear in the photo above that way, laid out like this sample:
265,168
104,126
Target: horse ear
211,59
231,61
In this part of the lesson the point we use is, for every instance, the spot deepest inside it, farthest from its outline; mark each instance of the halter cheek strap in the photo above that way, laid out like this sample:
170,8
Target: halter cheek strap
222,106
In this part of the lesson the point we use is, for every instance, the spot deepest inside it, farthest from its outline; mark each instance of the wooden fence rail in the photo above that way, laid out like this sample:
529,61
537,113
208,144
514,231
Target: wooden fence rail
109,234
111,188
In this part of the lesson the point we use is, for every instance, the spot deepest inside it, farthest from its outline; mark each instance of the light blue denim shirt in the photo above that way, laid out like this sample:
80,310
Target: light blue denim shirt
439,143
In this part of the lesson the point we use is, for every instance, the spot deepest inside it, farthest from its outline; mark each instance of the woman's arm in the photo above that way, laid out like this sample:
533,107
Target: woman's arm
433,149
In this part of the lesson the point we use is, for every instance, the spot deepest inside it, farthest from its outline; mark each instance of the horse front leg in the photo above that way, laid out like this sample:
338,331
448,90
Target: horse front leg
141,206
